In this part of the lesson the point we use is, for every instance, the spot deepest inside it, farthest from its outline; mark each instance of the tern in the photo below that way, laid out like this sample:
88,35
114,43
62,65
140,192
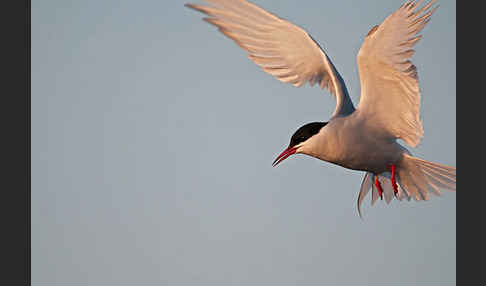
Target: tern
362,138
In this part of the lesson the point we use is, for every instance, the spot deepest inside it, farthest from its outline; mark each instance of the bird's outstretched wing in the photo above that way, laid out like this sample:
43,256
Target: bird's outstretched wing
281,48
390,94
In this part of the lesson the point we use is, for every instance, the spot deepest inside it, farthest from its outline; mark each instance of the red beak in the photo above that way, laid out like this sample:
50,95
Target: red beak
285,154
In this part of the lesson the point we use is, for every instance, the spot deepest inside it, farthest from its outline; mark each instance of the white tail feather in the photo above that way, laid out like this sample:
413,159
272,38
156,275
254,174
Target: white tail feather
428,176
415,177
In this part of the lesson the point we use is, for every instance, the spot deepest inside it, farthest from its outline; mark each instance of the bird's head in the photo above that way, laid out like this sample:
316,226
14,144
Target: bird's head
299,139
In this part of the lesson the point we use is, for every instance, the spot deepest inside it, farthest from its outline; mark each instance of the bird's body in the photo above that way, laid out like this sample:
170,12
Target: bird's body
362,138
346,141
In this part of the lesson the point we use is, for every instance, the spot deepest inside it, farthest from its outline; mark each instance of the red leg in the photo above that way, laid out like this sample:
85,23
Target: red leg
393,180
378,185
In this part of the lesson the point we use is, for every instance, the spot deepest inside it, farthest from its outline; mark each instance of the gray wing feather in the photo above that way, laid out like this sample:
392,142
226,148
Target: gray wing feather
390,93
279,47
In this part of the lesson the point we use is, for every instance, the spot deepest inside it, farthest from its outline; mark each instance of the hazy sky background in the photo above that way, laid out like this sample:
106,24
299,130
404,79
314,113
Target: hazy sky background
152,142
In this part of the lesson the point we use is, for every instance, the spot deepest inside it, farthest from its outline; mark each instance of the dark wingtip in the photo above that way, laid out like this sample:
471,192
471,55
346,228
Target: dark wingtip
189,5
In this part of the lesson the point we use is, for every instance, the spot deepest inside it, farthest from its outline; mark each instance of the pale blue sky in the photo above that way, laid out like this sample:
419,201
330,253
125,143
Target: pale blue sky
152,142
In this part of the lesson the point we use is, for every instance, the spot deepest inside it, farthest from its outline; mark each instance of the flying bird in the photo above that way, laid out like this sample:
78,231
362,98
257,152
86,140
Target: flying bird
362,138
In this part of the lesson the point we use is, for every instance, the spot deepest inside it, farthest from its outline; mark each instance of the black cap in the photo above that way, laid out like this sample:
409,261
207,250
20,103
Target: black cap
305,132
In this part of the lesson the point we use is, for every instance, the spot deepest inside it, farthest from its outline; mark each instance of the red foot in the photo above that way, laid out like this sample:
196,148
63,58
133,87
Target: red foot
378,185
393,180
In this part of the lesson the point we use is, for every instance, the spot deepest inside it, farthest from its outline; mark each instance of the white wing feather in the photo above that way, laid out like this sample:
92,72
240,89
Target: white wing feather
390,94
281,48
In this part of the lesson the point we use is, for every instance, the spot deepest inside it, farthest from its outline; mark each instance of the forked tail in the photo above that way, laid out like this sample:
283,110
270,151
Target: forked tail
416,178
